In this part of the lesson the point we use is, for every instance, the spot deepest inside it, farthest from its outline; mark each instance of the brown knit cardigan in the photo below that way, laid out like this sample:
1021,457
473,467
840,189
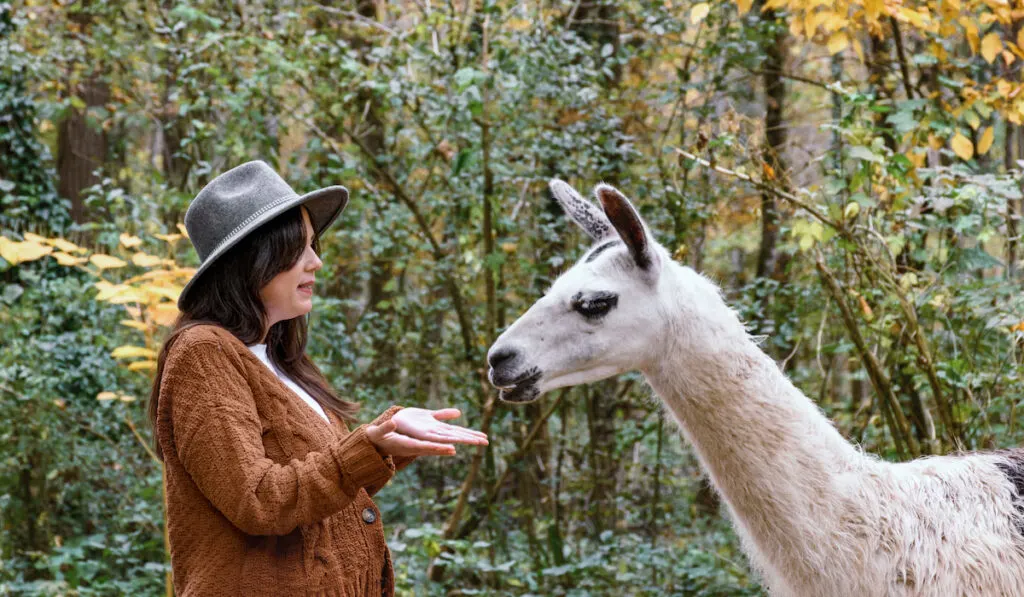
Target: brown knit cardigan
264,497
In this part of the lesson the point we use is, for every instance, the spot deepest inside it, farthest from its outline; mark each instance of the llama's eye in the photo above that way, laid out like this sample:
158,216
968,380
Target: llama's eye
594,305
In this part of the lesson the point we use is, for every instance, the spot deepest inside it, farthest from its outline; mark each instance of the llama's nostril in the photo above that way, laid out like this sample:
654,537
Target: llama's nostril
500,357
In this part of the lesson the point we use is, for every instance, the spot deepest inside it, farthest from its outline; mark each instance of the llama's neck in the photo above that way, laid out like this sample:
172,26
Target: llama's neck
768,449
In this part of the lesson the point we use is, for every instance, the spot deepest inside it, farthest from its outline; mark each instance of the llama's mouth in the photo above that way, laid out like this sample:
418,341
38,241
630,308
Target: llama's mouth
521,389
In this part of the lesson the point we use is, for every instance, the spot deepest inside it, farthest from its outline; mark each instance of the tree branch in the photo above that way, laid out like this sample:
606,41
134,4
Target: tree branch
875,372
761,186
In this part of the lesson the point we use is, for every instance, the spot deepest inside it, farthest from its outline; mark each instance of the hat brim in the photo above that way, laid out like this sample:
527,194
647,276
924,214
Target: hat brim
324,206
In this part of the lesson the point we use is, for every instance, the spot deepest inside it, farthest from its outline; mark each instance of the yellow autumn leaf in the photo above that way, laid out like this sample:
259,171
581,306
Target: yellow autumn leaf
145,260
164,314
1020,39
985,142
126,397
991,45
103,287
917,157
962,146
108,290
66,246
838,42
142,366
130,241
34,238
106,396
913,17
131,352
15,252
699,12
171,293
972,35
182,229
832,21
68,259
106,261
810,23
744,6
873,9
169,238
129,295
136,325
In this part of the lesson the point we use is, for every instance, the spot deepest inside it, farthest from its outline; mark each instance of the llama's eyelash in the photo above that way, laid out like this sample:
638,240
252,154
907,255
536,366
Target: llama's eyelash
594,305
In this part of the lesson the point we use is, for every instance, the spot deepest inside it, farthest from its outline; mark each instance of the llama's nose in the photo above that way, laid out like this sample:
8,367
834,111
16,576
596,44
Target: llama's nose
502,356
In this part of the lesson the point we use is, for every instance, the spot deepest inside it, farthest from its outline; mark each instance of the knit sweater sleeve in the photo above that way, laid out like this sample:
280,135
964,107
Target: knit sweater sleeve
218,439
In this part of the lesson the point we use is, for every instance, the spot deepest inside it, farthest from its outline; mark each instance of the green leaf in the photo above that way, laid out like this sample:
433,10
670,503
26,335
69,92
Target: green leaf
859,152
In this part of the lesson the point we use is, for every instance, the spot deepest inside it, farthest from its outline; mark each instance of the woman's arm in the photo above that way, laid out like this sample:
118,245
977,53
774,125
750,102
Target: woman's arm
218,438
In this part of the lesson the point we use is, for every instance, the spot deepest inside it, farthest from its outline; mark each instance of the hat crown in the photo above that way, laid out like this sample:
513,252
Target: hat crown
232,200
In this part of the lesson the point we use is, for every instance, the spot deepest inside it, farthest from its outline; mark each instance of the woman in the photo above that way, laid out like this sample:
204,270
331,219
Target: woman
268,492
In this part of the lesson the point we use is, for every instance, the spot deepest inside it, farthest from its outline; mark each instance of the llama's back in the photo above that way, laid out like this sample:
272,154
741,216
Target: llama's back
939,527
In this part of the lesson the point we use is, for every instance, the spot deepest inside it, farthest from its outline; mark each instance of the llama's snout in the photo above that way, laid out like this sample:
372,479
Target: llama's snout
503,361
516,382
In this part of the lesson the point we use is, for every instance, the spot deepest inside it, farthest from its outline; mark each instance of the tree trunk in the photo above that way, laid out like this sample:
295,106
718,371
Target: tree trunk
775,140
81,147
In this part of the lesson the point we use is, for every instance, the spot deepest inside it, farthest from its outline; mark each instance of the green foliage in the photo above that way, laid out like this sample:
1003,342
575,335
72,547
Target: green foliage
81,502
442,118
27,195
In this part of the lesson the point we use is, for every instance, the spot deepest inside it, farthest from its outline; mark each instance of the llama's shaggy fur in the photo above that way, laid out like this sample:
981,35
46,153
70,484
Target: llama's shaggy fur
817,517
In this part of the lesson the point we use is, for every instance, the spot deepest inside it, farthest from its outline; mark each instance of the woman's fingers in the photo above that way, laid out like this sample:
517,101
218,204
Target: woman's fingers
462,435
409,446
447,433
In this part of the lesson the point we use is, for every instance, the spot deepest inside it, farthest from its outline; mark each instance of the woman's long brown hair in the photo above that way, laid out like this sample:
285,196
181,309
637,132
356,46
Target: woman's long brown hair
227,295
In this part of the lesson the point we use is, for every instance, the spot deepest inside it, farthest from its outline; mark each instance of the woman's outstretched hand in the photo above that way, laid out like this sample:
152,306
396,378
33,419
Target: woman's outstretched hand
422,432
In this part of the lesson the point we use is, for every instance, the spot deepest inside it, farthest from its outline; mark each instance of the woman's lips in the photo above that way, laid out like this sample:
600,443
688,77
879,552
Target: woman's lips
306,288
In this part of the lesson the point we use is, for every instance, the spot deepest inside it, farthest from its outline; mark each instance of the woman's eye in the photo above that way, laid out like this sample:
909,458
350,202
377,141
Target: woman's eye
594,305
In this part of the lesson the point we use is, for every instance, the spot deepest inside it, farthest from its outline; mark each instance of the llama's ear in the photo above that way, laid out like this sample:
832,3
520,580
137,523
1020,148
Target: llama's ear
586,215
627,222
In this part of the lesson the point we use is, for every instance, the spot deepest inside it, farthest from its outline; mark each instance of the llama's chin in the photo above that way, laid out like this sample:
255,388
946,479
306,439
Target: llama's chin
522,388
526,392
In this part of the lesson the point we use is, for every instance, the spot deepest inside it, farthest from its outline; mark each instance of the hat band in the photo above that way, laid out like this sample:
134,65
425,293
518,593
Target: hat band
249,220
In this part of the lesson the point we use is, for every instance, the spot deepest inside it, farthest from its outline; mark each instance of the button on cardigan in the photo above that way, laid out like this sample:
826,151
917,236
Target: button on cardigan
264,497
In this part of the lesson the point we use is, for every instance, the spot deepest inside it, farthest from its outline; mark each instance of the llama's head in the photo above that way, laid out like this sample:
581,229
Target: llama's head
610,313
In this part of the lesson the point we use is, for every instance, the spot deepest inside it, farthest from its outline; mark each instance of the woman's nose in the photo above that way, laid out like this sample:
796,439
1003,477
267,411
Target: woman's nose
315,263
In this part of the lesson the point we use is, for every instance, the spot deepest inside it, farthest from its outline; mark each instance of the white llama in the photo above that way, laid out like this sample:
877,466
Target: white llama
817,517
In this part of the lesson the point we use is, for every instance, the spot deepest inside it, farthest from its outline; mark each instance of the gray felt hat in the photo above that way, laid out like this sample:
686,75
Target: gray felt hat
243,199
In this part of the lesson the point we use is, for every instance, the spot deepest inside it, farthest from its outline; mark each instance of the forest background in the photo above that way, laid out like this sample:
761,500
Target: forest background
848,171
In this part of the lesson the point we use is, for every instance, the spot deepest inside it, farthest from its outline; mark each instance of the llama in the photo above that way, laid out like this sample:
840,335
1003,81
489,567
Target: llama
816,516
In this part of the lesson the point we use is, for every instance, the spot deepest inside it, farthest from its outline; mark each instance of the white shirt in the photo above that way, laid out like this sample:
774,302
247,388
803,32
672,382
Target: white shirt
260,350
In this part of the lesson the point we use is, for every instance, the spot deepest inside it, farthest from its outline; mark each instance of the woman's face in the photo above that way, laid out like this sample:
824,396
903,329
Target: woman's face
289,294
